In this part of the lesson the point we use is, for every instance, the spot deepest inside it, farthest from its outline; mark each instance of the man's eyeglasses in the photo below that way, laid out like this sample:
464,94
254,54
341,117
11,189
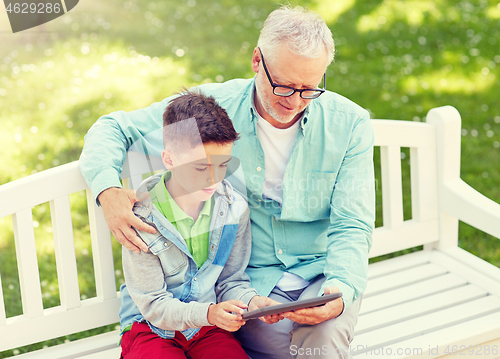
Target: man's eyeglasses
285,91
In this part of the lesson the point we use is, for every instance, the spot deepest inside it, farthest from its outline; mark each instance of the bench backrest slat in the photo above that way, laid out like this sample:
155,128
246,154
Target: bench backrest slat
448,125
64,248
102,251
424,199
392,196
27,263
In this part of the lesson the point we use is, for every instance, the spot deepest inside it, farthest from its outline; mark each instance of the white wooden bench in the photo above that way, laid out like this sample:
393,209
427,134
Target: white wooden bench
427,304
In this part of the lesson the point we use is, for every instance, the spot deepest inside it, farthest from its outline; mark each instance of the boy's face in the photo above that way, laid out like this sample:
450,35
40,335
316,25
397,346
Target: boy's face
200,170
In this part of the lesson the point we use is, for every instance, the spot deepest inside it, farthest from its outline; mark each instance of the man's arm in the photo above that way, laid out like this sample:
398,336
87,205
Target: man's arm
101,162
350,232
352,216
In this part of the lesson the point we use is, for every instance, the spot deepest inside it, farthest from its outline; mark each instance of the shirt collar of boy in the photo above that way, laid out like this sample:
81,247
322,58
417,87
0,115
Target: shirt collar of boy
168,206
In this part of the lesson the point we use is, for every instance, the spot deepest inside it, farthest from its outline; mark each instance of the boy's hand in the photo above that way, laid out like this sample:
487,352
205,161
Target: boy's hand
117,204
227,315
260,302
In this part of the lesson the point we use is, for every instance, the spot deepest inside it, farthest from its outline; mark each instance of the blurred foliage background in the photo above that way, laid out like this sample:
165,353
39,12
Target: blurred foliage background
396,58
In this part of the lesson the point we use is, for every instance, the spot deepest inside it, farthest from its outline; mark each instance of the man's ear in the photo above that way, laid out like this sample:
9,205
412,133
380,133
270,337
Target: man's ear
167,159
256,59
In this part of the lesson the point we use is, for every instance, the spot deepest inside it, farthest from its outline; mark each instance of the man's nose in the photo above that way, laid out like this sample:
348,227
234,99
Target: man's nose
294,100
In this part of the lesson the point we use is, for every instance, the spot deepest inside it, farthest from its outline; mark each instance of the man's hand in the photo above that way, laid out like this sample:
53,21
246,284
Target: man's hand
117,206
319,314
260,302
227,315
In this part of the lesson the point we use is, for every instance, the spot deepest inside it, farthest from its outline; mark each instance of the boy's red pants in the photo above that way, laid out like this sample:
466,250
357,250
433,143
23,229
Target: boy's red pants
208,343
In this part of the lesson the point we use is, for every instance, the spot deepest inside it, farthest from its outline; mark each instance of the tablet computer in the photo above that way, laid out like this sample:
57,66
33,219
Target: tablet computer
288,307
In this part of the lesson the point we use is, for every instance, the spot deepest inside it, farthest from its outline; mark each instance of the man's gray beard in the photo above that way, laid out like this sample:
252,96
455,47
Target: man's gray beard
281,119
270,110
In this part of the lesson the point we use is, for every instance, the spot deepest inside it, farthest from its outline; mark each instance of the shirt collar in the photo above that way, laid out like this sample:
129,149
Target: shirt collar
207,208
169,207
251,103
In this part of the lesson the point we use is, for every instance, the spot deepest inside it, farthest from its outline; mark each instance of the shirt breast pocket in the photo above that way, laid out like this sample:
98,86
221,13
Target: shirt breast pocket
319,194
171,257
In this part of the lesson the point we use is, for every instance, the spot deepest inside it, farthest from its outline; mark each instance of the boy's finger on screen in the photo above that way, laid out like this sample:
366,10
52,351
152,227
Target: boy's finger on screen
238,303
234,309
231,314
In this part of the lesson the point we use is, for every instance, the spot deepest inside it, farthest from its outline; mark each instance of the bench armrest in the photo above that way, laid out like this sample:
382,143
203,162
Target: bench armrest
468,205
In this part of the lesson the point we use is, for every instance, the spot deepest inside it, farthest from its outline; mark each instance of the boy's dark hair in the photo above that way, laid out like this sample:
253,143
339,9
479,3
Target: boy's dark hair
193,118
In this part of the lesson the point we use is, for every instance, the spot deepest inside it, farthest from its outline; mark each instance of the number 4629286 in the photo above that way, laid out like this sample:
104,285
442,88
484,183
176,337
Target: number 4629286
32,8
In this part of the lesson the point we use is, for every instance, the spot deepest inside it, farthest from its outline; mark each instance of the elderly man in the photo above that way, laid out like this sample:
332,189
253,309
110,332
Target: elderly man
306,155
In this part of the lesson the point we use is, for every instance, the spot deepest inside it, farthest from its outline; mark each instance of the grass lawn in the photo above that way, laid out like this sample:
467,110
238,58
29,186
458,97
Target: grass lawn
398,59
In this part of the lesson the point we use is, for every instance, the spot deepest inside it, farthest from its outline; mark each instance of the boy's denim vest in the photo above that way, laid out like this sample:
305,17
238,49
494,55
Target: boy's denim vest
184,280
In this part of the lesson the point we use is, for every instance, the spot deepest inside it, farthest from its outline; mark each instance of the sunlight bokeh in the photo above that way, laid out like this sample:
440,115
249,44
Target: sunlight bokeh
412,12
331,10
447,81
493,12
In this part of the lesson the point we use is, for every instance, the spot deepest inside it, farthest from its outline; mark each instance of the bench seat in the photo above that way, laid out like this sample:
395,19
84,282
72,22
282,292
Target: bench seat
101,346
428,303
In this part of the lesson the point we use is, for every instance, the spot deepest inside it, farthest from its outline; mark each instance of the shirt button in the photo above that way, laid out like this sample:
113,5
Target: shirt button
194,278
280,251
165,244
259,169
221,213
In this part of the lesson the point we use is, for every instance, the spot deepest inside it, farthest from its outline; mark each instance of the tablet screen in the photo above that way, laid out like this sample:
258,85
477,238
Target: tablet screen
287,307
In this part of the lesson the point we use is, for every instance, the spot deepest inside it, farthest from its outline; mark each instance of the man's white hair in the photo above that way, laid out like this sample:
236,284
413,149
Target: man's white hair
304,32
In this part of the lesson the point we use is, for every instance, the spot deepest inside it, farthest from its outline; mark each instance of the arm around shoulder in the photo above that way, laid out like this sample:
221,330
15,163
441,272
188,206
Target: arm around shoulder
352,216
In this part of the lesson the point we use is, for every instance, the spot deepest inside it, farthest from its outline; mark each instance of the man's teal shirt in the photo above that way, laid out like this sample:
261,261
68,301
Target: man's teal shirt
323,225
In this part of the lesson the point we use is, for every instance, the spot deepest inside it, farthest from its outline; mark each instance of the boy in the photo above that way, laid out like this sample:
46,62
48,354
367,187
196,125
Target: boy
202,247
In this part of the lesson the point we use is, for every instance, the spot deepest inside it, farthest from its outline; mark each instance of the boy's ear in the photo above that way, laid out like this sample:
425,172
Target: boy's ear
166,157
